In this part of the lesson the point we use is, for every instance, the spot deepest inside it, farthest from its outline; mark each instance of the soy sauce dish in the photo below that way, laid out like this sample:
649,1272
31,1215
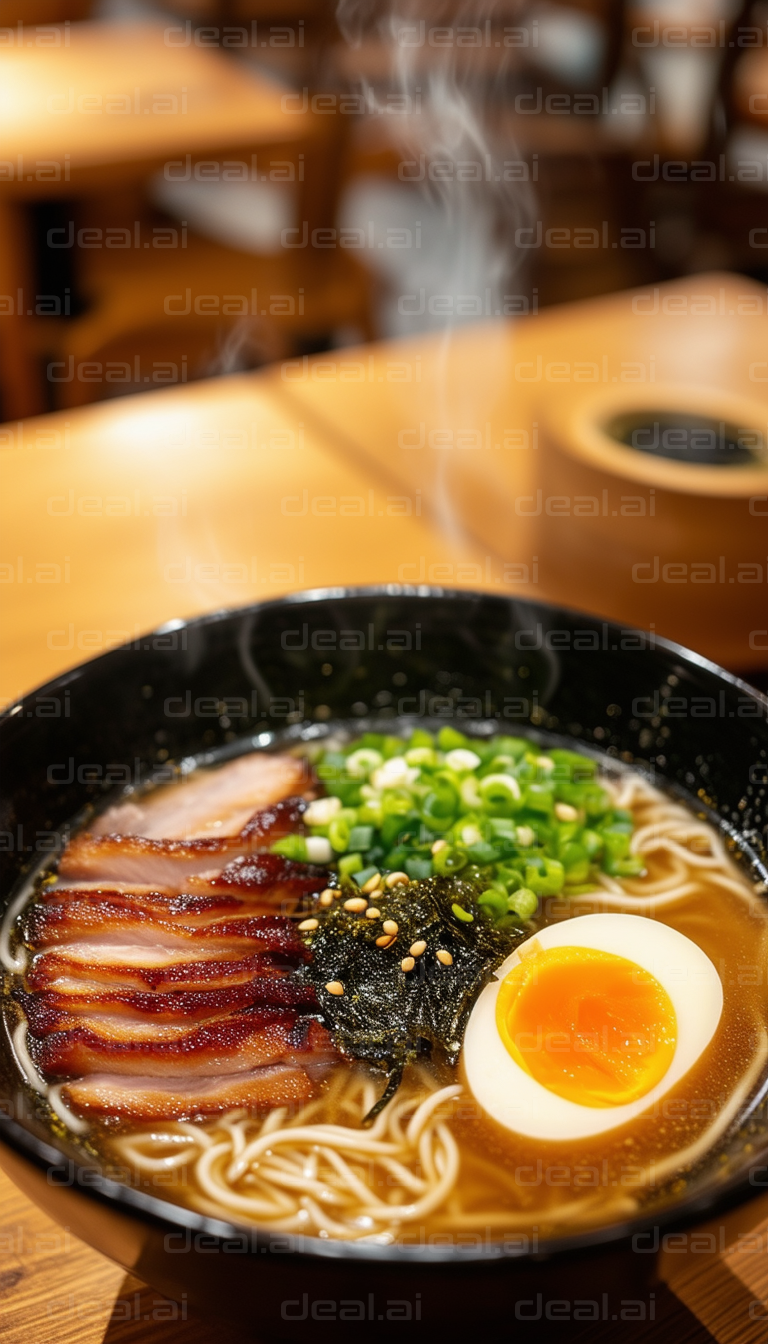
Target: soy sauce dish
392,958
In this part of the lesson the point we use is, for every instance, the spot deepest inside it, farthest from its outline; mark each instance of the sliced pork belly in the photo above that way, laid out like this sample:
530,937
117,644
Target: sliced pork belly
130,967
165,979
105,1095
164,904
265,878
209,802
237,1044
272,823
167,862
263,882
130,858
113,1029
106,922
71,1003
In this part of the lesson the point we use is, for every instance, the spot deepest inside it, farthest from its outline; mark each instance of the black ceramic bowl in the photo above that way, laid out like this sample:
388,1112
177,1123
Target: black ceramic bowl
282,667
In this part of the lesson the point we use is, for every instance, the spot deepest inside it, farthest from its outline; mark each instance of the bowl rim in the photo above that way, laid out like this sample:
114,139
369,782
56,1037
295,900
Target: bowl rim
733,1192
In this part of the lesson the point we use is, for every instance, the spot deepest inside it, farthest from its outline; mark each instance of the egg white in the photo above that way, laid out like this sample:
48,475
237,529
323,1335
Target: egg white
520,1103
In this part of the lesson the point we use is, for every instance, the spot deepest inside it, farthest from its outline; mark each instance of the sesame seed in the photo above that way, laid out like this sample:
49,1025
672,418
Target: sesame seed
444,957
307,924
386,940
372,913
389,926
407,964
438,845
356,903
372,883
326,898
335,987
398,880
416,949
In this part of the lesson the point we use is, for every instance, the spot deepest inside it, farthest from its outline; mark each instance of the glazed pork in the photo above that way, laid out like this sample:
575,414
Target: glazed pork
165,979
238,1043
210,803
141,1099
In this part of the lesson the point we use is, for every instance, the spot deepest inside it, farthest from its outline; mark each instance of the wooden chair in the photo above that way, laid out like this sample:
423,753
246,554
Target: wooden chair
32,12
229,114
727,209
572,165
203,309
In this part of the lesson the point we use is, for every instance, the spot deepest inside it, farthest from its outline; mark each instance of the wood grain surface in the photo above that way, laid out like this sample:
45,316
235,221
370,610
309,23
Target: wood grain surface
121,516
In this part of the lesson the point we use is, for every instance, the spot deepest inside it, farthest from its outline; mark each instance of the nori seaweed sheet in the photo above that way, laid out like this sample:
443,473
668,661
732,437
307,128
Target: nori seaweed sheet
387,1016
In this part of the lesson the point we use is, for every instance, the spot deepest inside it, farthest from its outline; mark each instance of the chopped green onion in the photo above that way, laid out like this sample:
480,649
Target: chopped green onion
291,847
362,762
448,739
448,860
523,903
546,877
421,738
495,902
349,864
360,837
520,822
339,833
462,914
418,869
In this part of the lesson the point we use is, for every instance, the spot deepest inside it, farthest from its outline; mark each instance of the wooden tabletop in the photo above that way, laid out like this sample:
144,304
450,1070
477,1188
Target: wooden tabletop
92,100
124,515
422,461
499,426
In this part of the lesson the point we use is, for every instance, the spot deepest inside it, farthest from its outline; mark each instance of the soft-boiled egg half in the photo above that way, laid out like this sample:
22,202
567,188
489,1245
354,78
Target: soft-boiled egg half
588,1024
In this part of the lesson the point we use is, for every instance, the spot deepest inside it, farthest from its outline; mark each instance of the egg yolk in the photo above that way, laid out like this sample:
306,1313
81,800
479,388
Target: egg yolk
589,1026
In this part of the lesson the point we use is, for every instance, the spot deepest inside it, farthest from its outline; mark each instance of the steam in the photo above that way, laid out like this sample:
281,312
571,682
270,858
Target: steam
450,96
450,101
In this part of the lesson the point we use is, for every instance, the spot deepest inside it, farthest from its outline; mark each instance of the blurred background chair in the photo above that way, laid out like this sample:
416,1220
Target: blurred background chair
634,132
107,276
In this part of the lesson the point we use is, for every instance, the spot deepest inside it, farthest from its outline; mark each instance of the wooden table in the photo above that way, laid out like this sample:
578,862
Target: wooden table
124,515
485,422
97,105
121,516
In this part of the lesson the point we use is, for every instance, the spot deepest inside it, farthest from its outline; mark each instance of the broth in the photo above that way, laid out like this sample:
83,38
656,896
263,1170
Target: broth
434,1165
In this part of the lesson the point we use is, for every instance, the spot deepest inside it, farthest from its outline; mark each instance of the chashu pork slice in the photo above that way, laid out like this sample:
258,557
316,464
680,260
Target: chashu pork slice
162,904
66,998
166,864
113,1029
128,966
72,1003
108,922
210,802
109,1096
260,882
237,1044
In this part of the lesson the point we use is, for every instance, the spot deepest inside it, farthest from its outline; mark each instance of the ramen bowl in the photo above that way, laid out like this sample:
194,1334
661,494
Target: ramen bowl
286,670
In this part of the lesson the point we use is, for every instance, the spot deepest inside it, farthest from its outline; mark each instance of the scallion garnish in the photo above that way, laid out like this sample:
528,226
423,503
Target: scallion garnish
515,820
